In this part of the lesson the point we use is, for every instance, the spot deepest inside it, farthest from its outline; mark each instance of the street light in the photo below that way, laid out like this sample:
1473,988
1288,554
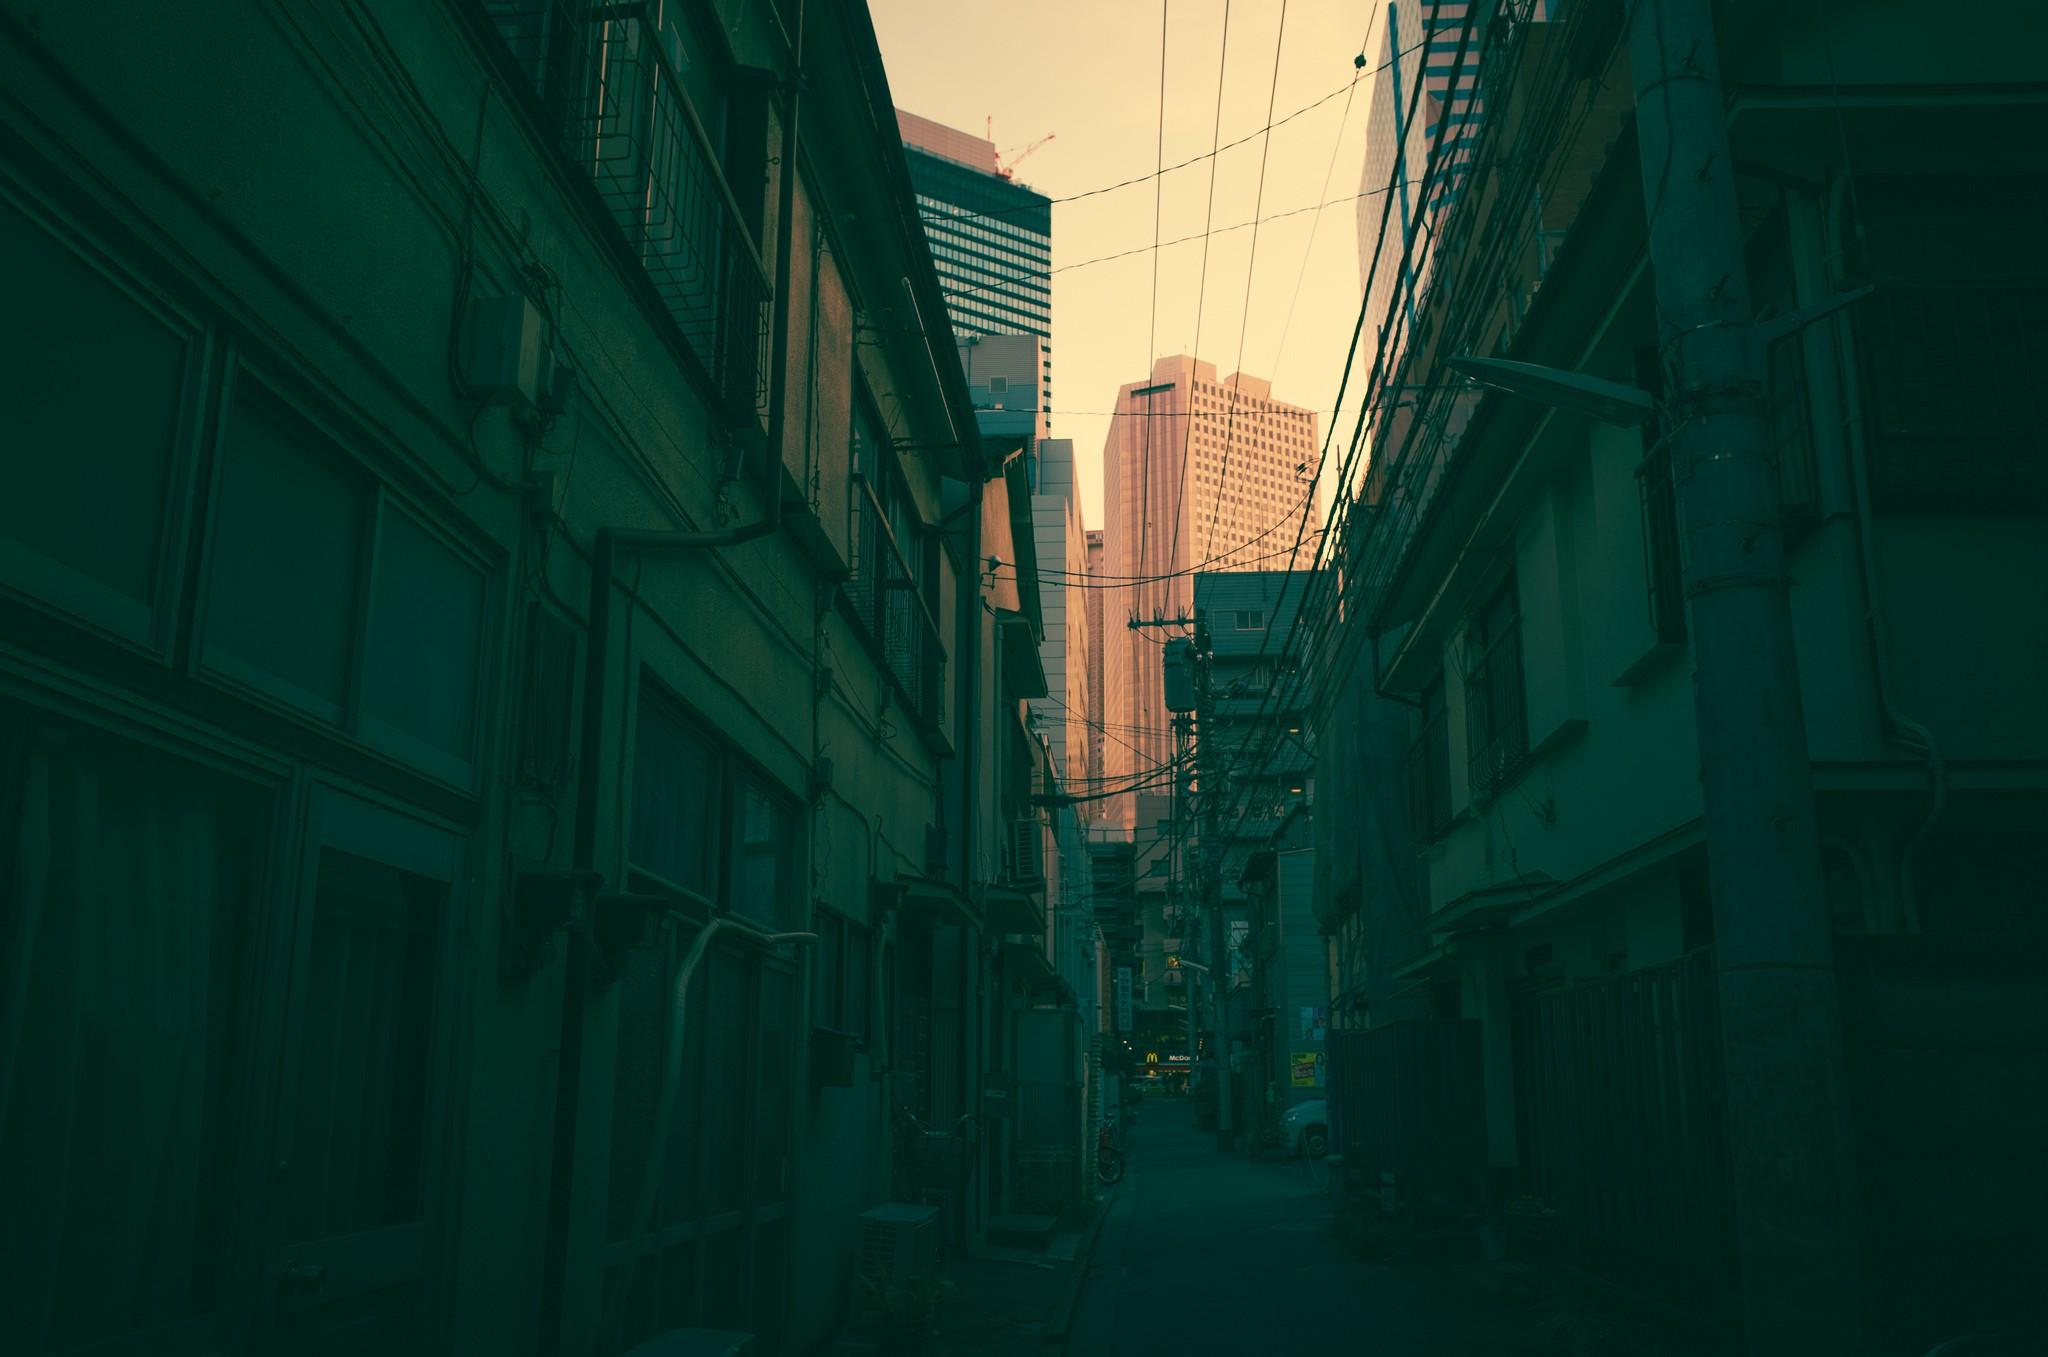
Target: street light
1609,402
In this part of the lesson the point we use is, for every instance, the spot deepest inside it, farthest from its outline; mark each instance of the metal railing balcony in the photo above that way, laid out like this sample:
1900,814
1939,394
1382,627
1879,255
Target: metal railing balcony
606,83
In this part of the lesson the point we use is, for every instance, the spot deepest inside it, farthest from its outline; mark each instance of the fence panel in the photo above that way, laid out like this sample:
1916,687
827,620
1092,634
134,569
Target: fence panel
1618,1086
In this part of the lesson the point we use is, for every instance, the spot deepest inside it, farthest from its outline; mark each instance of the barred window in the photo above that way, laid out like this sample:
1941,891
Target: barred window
1429,766
1494,699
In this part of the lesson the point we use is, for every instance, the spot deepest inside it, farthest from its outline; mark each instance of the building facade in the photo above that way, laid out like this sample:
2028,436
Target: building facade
991,237
1516,859
1198,474
503,765
1256,757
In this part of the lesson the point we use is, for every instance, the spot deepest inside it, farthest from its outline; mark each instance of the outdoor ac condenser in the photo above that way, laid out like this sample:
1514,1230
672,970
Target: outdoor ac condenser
1027,854
898,1242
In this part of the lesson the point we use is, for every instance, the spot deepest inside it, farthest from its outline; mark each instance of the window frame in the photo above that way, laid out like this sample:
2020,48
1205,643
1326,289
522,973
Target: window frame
1663,553
349,453
731,772
841,937
53,586
1497,735
1429,765
880,498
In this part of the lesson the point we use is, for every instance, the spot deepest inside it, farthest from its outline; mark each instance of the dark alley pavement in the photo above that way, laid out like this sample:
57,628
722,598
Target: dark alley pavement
1210,1253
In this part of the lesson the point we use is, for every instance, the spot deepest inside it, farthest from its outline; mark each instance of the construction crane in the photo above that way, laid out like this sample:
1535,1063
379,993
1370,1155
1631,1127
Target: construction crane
1007,161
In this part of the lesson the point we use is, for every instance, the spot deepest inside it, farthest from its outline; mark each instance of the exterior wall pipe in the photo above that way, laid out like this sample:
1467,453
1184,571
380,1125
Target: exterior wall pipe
1911,733
576,969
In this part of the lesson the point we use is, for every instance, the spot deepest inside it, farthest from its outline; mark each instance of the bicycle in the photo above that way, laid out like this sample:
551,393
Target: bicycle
1109,1160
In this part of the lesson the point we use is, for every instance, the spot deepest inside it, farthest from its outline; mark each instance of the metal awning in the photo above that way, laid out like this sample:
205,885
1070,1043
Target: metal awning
1027,962
938,903
1011,910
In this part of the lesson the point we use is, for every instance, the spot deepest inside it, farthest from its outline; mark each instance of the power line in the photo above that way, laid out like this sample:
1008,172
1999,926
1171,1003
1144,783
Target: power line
1215,150
1080,583
1180,480
1244,316
1315,584
1152,305
1121,581
1318,208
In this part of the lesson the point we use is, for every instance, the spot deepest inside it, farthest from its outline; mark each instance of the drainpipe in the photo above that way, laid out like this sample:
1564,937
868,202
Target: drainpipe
610,541
1904,729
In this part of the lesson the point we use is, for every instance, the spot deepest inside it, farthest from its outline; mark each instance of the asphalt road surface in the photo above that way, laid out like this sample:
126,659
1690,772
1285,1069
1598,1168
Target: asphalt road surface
1211,1253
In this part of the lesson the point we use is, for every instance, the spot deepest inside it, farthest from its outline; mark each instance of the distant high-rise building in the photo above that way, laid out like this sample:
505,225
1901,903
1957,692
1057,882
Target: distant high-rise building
1062,562
1092,602
990,238
1197,475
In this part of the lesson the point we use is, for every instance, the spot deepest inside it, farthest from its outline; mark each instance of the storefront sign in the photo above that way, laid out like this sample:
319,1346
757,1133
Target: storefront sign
1306,1067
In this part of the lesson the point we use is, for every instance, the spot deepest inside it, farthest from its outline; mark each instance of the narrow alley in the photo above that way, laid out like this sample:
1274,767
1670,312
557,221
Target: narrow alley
698,678
1204,1252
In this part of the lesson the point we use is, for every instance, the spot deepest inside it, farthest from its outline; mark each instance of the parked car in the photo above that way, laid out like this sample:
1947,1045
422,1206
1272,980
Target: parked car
1305,1128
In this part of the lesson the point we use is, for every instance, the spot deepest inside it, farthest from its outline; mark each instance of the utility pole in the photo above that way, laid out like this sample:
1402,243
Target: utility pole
1790,1149
1210,759
1182,736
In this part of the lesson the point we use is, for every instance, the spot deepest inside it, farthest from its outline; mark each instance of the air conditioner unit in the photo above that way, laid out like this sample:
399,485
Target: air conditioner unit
1027,854
898,1243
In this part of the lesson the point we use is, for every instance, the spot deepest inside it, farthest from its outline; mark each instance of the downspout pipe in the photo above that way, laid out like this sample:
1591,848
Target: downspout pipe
1904,729
590,757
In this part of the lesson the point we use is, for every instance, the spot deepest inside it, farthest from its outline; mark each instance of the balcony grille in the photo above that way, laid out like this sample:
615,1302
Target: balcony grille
605,81
1429,781
884,595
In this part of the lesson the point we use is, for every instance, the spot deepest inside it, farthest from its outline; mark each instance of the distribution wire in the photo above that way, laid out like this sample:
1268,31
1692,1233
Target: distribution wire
1109,586
1180,480
1214,151
1302,677
1152,305
1473,271
1318,207
1342,386
1493,230
1244,318
1300,671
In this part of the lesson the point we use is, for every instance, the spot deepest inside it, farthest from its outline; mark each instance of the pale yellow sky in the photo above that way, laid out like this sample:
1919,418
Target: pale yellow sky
1087,71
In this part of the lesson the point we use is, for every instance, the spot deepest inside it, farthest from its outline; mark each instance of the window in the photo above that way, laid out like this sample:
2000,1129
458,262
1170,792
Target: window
1429,766
1661,565
674,145
844,966
704,823
1250,619
1945,379
712,1253
297,524
127,931
287,555
1496,719
97,387
999,386
1773,292
1949,344
889,588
